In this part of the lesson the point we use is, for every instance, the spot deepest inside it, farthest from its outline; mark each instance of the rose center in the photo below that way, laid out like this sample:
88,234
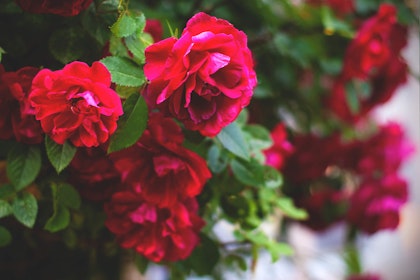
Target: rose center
83,102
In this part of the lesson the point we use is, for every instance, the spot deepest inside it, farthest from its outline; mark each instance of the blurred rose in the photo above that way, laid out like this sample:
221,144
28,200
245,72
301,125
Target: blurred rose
342,7
17,115
63,8
275,156
154,28
76,104
204,78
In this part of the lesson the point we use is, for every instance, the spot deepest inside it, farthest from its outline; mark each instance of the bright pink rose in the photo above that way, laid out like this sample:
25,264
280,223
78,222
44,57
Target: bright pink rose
63,8
204,78
376,204
17,115
93,173
376,43
76,104
160,234
159,167
281,148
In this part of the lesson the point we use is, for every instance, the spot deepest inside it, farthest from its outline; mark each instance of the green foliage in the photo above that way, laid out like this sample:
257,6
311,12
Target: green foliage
232,138
131,125
60,156
5,209
25,209
124,72
126,25
204,257
5,236
23,165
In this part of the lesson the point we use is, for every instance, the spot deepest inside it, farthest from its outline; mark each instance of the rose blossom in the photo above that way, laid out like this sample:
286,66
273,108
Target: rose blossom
93,173
159,167
378,41
62,8
76,103
376,204
160,234
204,78
281,148
17,115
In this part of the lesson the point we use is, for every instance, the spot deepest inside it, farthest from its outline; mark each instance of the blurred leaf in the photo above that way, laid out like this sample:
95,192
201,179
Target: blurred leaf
23,165
67,196
233,140
68,44
131,125
124,72
250,173
232,259
25,209
288,208
60,156
5,236
352,259
205,256
333,24
5,209
272,177
216,160
141,263
7,191
59,220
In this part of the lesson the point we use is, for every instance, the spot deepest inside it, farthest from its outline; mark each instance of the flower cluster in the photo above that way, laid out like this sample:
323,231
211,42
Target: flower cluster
123,138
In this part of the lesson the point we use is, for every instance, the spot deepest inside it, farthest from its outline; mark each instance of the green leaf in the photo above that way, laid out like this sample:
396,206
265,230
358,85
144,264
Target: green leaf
127,25
233,140
205,256
67,196
258,137
5,236
216,160
250,173
124,92
137,43
287,206
23,165
236,259
5,209
333,24
124,72
276,249
272,177
59,220
131,125
141,263
60,156
68,44
25,209
7,191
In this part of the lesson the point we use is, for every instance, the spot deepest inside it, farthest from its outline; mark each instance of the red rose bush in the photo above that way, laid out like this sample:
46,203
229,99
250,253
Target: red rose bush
135,135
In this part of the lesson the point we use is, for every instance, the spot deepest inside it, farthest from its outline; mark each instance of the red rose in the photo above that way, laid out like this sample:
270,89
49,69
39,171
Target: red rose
93,173
204,78
275,156
160,234
376,204
374,45
159,167
17,116
63,8
76,103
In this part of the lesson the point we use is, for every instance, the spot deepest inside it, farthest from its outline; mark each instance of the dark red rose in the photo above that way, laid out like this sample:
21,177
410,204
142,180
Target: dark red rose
375,44
93,173
76,104
324,205
159,167
17,115
160,234
154,28
65,8
204,78
376,203
341,7
275,156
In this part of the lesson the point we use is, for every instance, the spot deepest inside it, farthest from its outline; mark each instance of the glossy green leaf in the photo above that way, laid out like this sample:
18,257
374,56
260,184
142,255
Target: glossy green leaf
137,43
131,125
5,236
25,209
233,140
124,72
60,156
23,165
127,25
